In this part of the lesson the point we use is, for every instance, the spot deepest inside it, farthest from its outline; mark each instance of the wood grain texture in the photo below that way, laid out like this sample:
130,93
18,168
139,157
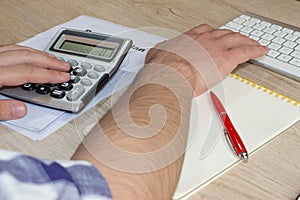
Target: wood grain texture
272,172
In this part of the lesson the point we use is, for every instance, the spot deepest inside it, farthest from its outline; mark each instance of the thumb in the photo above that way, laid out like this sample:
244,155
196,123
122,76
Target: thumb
12,109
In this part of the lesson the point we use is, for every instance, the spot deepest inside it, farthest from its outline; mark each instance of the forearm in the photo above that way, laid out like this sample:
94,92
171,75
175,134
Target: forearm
150,139
139,146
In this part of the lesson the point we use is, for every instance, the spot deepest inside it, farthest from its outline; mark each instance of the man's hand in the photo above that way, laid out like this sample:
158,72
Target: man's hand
205,55
20,65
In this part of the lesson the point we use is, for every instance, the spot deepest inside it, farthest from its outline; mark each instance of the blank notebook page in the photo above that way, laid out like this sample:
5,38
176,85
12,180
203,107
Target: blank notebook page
258,115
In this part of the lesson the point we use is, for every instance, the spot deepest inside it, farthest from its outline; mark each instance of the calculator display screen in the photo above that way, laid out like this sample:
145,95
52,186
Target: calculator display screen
86,49
95,46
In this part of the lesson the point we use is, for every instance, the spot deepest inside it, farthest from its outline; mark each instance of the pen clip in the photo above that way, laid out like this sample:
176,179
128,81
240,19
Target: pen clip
229,142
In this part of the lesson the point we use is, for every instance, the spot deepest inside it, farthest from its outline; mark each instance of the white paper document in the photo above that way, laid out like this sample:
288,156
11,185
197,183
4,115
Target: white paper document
37,126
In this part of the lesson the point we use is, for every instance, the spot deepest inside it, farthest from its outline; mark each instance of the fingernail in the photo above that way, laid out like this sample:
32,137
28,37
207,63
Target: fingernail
65,76
18,111
65,63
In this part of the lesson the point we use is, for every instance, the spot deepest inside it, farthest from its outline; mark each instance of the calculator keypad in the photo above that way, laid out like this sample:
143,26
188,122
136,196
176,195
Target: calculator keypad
83,76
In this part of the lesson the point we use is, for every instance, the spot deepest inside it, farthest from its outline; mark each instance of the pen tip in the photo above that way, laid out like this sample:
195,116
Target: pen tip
244,156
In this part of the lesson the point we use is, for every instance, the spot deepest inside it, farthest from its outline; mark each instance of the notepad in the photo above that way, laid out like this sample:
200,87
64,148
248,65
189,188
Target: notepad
258,113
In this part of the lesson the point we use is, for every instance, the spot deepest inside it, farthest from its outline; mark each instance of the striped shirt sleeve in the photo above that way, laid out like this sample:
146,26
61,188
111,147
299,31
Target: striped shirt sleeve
25,177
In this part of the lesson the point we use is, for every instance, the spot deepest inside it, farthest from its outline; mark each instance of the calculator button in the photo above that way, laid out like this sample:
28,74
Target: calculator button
60,58
86,65
99,68
86,82
70,70
28,86
65,86
74,79
79,71
72,62
93,75
57,93
74,94
42,89
51,85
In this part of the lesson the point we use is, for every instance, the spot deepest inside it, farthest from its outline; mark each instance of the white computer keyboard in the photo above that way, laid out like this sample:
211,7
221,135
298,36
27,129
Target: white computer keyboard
283,40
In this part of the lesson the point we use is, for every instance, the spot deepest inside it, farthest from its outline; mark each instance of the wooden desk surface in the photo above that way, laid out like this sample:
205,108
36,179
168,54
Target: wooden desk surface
273,172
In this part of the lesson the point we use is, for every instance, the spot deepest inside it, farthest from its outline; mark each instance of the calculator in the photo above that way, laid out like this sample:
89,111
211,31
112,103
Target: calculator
94,58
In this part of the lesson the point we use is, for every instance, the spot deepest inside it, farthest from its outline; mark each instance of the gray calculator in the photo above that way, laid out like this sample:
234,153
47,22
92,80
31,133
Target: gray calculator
93,57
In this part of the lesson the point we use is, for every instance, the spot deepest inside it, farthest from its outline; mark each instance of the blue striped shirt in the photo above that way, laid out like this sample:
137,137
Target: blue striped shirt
25,177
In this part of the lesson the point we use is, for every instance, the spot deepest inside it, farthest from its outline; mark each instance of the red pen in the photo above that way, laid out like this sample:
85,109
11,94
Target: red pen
231,134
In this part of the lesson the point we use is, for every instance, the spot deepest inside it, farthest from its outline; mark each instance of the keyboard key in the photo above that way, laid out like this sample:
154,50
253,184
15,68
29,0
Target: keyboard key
245,17
99,68
60,58
65,86
259,27
254,37
278,40
284,57
57,93
274,46
234,25
273,53
248,23
257,33
297,34
28,86
224,27
287,30
295,62
74,79
86,82
41,89
93,75
267,36
263,42
73,62
265,23
280,33
269,30
79,71
291,37
285,50
239,20
86,65
290,44
275,26
51,84
255,20
246,34
74,94
296,54
246,29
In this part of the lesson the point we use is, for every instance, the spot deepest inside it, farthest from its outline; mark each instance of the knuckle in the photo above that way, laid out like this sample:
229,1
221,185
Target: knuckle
24,53
236,35
12,45
28,71
205,36
206,26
